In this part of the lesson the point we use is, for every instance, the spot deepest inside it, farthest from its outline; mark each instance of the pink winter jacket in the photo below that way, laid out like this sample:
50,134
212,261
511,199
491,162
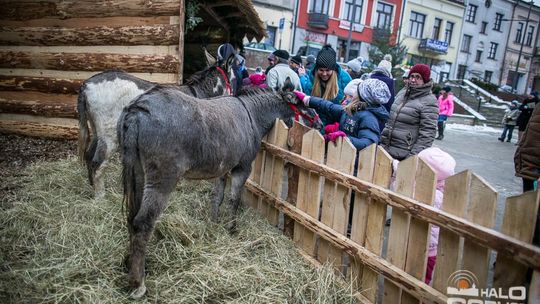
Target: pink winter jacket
446,105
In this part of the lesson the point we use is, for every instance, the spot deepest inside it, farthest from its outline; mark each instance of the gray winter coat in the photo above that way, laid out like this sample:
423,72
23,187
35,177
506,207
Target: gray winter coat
413,122
277,75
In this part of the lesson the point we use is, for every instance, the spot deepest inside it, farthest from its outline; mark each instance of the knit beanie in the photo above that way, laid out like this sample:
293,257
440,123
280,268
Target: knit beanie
351,88
310,59
447,89
441,162
297,59
355,65
374,92
281,54
423,70
326,58
387,65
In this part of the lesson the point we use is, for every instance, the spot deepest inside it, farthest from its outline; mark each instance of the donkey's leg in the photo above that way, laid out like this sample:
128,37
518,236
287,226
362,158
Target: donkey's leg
219,191
96,159
239,175
156,193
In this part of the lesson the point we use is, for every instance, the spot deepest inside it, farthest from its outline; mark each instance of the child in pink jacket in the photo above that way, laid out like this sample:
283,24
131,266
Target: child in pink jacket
446,109
444,165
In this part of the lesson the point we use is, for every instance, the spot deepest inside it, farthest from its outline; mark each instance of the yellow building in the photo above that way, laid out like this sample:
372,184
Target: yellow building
431,30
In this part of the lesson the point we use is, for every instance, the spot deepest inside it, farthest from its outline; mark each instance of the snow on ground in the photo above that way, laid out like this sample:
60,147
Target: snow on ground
473,129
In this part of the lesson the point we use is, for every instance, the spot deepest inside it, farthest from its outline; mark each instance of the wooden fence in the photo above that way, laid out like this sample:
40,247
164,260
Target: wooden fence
316,210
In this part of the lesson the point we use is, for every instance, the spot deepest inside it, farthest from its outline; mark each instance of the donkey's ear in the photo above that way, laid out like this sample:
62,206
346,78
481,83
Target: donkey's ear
288,86
210,60
289,97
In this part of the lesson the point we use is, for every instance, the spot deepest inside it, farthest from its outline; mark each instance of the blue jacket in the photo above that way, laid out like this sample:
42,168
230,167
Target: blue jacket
343,79
390,83
362,128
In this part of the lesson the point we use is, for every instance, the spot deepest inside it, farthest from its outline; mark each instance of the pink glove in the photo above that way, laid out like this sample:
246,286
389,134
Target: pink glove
302,97
333,136
331,128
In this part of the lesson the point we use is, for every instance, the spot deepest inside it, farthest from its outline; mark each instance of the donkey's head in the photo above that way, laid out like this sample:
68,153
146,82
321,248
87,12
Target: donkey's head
303,114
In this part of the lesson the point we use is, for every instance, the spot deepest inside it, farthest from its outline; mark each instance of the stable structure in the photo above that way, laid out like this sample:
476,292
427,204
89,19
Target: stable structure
389,265
47,48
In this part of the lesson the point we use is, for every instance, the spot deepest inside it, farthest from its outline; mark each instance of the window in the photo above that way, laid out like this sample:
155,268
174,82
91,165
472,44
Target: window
493,50
484,27
354,10
319,6
448,32
487,76
519,32
416,27
478,56
470,16
529,38
498,21
466,44
384,15
436,28
462,69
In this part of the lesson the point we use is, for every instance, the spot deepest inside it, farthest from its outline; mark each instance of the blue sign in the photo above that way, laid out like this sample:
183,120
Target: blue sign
434,45
281,23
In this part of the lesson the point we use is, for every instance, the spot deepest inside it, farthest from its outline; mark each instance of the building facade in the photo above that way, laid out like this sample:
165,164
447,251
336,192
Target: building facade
329,21
483,40
431,31
278,16
520,50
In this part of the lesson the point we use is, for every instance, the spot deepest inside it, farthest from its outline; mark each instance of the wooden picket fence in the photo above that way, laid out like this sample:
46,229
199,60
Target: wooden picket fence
315,214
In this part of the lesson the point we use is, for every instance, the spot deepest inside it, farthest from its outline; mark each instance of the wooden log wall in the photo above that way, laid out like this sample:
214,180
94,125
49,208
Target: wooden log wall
324,232
49,47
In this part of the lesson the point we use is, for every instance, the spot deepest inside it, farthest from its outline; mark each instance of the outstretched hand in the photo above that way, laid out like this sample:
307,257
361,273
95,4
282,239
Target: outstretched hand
331,128
302,97
333,136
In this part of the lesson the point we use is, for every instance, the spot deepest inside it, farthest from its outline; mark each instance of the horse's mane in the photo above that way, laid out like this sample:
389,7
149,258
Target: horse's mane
199,76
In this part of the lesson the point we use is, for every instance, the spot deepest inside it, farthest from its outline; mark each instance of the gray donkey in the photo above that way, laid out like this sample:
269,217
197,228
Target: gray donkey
166,135
103,96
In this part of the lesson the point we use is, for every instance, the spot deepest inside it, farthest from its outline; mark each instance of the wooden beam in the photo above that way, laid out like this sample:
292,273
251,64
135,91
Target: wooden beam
89,22
220,4
218,18
41,130
25,10
90,62
523,252
414,286
123,35
181,44
34,103
40,84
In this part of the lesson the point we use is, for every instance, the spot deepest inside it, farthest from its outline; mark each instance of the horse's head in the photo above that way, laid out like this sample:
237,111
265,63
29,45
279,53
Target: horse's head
303,114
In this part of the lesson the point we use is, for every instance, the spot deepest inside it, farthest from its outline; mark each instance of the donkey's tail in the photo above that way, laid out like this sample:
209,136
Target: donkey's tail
132,173
84,138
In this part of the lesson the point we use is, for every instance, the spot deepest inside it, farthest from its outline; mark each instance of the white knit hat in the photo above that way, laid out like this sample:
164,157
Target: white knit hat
351,87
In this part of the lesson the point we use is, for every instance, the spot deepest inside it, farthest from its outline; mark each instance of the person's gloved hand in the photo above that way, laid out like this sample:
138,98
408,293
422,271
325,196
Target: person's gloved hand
302,97
333,136
331,128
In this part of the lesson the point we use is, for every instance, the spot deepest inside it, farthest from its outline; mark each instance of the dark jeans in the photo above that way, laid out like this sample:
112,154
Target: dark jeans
509,129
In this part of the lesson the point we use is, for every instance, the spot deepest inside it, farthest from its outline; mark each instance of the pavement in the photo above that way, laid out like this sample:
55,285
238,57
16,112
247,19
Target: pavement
477,149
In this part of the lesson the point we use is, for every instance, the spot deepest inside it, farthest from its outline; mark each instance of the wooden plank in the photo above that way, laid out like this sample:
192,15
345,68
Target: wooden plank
255,176
519,250
161,34
419,233
309,190
273,171
94,49
181,41
400,277
455,201
41,130
40,84
520,215
294,143
25,10
398,235
376,217
154,77
90,22
336,198
41,104
149,63
481,210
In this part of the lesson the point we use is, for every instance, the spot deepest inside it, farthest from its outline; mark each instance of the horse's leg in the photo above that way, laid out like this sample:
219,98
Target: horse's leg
239,175
157,189
219,191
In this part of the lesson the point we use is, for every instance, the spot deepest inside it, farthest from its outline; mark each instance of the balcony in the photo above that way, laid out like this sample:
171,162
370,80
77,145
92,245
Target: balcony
433,46
318,20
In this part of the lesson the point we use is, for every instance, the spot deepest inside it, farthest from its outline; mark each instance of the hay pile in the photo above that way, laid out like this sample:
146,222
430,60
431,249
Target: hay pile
60,245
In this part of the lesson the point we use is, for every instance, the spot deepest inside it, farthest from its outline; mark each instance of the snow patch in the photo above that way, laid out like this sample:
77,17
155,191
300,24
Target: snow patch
473,129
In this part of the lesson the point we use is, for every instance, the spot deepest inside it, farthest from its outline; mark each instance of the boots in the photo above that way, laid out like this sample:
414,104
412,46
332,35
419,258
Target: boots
440,127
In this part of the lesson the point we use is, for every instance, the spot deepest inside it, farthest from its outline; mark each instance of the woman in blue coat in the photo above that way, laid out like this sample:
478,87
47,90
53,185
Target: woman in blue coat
360,119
